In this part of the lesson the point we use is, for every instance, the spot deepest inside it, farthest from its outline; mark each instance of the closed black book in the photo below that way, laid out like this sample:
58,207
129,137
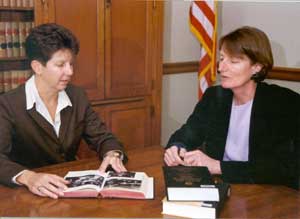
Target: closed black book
189,184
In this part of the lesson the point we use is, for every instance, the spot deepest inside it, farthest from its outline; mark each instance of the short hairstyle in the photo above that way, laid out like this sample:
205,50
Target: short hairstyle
253,43
46,39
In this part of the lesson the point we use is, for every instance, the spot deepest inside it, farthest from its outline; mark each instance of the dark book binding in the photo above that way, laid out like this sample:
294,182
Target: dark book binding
182,176
184,183
224,193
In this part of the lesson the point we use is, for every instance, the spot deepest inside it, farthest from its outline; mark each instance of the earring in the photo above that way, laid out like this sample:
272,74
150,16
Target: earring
254,76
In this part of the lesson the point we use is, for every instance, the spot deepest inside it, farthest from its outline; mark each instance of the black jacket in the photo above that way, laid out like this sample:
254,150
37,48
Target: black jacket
274,137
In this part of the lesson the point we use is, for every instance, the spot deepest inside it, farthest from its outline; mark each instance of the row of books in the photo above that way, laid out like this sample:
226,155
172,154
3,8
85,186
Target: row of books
12,79
12,38
16,3
191,193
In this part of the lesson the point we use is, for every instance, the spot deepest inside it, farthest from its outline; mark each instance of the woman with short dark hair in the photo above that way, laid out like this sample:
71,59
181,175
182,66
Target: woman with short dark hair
43,121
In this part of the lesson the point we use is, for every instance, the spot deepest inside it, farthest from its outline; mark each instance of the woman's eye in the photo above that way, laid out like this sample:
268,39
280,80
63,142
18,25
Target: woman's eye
234,61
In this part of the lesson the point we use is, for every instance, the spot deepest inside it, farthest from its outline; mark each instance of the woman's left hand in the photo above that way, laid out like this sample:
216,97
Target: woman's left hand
198,158
113,159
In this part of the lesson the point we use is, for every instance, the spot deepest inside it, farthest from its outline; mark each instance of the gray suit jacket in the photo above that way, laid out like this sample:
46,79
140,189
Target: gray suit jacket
27,140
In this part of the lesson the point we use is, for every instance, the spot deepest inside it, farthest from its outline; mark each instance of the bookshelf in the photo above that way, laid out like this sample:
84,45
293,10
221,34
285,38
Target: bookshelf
16,20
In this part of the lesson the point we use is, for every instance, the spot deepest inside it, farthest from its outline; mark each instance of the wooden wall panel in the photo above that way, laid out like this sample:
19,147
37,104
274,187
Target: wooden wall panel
131,123
128,48
87,22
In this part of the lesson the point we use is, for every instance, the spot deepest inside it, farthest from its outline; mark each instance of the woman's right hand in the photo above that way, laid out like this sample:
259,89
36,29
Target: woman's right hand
43,184
173,156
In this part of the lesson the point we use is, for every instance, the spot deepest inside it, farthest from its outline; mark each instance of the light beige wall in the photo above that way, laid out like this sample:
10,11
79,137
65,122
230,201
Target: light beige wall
179,99
278,19
179,44
179,91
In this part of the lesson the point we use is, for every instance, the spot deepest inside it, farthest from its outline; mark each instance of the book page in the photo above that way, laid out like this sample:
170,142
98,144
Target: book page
90,179
128,182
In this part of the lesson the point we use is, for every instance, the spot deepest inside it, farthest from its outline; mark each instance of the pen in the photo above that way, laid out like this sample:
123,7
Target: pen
178,152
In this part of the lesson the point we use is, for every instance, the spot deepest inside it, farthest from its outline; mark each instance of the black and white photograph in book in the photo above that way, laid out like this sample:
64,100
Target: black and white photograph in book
121,174
124,183
85,180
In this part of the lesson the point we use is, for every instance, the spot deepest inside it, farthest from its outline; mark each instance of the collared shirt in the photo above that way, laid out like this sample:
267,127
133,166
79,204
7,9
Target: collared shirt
33,98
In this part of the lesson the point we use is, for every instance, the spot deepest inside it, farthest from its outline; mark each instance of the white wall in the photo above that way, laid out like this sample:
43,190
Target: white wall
278,19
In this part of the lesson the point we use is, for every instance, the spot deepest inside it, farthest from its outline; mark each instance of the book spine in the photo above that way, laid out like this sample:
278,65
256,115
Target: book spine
224,191
8,39
1,82
12,3
5,3
6,81
19,3
28,26
24,3
27,74
22,37
1,3
14,79
2,40
15,39
31,3
21,77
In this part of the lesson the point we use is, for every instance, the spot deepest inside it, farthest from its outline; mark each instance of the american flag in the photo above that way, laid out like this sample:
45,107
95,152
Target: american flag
203,23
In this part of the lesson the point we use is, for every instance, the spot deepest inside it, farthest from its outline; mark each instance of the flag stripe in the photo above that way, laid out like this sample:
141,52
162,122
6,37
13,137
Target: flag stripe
203,23
201,16
201,34
204,62
211,5
209,13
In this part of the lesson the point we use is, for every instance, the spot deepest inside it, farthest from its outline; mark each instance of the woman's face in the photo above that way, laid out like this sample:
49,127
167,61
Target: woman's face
236,72
58,70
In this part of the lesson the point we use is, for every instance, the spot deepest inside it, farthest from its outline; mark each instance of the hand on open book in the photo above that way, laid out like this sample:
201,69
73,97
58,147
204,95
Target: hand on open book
113,159
43,184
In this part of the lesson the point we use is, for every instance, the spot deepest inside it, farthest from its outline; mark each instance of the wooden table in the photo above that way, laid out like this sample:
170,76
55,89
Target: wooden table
246,201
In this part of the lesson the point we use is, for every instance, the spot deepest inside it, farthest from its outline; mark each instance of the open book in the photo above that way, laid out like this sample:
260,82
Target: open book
91,183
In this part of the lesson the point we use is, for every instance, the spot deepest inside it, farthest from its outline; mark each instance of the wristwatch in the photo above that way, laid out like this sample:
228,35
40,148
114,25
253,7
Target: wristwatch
115,153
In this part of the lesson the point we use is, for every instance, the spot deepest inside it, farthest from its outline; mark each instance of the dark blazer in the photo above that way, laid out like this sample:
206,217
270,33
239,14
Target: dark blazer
27,140
273,139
